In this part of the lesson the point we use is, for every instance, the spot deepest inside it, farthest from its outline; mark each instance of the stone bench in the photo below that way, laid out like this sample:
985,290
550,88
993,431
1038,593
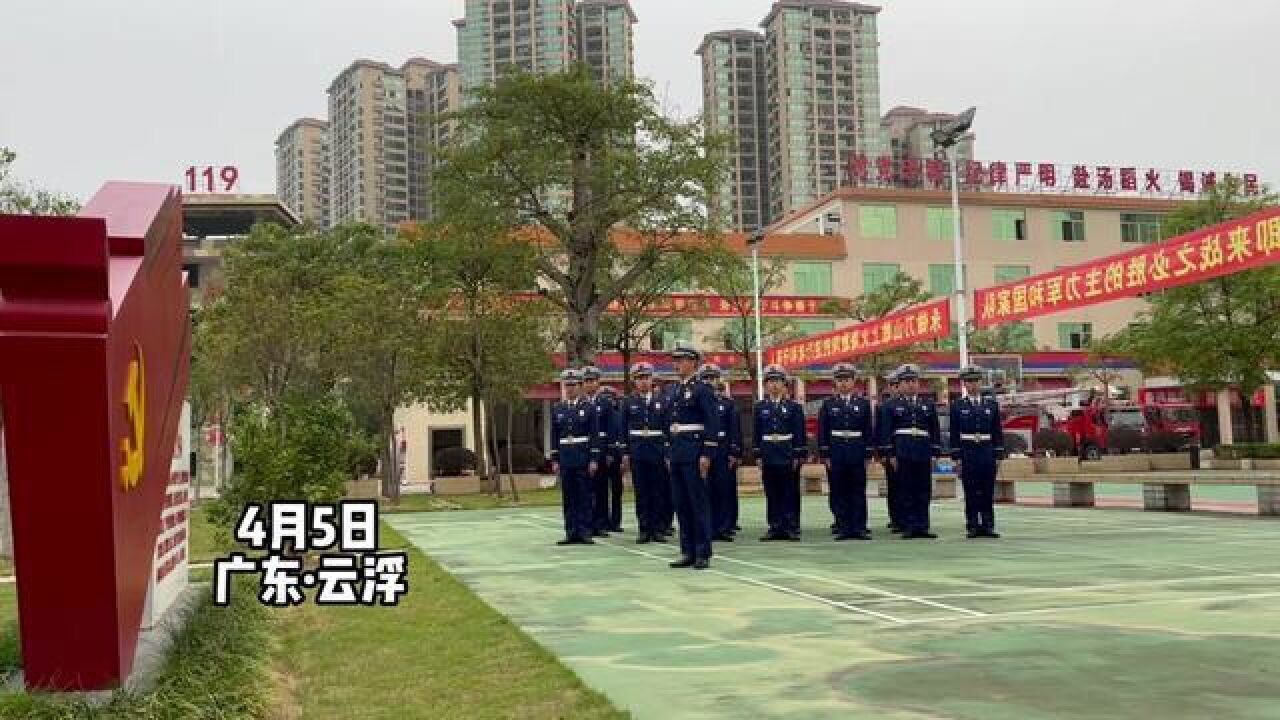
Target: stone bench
1168,491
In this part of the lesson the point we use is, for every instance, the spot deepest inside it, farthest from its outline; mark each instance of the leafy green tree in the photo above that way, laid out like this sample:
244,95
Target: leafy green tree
576,165
1008,338
490,348
898,293
1219,332
731,281
18,198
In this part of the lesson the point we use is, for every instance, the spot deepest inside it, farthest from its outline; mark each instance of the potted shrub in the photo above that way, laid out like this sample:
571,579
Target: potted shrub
1266,457
1016,463
1053,450
454,470
1230,457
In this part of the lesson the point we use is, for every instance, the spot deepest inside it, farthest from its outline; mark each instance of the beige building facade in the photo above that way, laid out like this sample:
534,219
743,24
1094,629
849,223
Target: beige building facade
302,170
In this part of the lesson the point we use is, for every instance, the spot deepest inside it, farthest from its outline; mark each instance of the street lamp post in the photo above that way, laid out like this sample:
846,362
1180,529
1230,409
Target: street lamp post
756,238
948,137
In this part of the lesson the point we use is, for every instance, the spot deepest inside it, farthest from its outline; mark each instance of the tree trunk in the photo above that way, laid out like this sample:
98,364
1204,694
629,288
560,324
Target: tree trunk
495,470
579,339
478,434
511,470
391,458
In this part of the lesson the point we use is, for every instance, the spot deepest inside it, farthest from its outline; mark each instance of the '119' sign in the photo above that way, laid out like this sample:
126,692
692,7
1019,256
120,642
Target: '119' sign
206,179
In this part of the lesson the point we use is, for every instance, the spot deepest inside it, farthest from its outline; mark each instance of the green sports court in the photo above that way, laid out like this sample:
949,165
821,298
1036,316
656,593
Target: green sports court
1081,613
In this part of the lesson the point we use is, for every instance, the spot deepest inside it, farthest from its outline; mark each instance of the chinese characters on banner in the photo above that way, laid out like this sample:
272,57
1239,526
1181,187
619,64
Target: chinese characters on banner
679,305
931,321
930,173
1211,252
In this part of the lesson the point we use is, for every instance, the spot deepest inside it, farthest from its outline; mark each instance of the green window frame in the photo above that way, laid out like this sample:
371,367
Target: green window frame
878,221
942,279
1011,273
938,221
1008,224
812,278
876,275
1141,227
1068,226
805,328
1075,336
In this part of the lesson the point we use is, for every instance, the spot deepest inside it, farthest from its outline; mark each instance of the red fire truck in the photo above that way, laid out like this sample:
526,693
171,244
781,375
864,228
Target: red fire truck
1088,421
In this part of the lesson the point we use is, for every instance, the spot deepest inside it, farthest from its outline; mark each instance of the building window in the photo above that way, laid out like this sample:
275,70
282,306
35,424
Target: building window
940,224
942,279
1011,273
812,278
1075,336
1009,224
670,333
1140,227
878,221
805,328
1068,226
877,275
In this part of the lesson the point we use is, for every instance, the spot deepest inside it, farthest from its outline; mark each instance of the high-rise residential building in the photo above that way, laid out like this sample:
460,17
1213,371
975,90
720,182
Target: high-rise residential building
368,145
384,124
302,170
823,86
606,38
909,134
434,90
535,36
734,105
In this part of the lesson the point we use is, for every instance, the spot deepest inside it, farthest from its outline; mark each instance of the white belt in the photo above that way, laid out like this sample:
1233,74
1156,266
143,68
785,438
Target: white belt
846,433
646,433
574,440
912,431
975,437
777,438
677,428
604,434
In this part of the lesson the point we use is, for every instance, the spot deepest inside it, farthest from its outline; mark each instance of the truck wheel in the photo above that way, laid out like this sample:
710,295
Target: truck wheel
1091,452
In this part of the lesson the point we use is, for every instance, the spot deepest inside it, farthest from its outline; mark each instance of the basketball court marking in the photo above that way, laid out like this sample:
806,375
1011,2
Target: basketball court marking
1078,588
1097,606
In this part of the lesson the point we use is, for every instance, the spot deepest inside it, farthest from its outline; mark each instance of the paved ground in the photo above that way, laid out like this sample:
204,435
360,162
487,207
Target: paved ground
1100,613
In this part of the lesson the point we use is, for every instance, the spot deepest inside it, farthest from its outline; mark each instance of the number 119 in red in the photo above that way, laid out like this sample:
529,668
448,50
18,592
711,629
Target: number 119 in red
201,179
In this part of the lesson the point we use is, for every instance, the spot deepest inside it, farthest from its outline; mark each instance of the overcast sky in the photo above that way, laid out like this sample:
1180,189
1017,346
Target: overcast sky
139,89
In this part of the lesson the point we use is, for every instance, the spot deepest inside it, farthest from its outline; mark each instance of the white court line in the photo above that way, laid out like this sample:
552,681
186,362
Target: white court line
1083,588
1098,606
752,581
1134,563
852,586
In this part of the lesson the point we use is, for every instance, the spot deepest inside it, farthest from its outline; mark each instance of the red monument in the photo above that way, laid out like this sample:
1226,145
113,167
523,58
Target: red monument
94,356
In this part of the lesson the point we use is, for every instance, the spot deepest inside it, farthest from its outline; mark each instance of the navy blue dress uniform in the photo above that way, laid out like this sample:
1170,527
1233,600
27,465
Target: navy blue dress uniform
617,440
781,444
893,497
845,432
910,434
606,440
573,429
977,443
693,432
645,422
723,485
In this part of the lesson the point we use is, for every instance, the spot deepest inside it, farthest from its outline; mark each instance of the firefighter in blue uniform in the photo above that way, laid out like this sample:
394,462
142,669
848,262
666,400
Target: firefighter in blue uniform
617,448
781,445
574,458
604,439
644,415
893,496
977,445
723,486
845,432
693,433
910,438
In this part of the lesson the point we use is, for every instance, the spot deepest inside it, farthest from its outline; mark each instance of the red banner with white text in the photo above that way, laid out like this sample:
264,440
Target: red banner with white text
1222,249
931,321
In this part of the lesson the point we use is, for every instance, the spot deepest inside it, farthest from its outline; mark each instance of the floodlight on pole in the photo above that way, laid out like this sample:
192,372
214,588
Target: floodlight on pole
948,137
754,242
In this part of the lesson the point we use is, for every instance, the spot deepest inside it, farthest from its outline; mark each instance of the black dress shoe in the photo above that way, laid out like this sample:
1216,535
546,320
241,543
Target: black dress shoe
616,529
600,533
834,527
683,562
892,526
991,534
644,539
793,537
770,537
567,541
737,528
586,541
701,564
972,533
927,535
840,537
658,537
724,537
864,535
